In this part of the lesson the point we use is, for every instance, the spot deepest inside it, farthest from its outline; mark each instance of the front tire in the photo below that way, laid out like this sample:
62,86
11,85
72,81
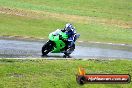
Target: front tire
47,48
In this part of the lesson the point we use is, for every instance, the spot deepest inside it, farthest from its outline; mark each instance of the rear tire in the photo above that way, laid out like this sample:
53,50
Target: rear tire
47,47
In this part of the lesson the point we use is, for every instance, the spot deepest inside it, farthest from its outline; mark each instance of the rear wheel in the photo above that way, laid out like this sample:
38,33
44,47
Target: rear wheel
47,47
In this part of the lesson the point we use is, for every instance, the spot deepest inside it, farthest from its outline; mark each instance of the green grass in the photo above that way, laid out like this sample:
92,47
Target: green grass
40,28
99,21
19,26
117,9
58,73
103,33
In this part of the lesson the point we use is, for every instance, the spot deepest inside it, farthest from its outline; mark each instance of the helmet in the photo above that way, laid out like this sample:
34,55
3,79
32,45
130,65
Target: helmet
68,27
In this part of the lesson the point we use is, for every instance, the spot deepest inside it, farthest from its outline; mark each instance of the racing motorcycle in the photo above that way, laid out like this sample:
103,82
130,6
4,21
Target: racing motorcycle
57,44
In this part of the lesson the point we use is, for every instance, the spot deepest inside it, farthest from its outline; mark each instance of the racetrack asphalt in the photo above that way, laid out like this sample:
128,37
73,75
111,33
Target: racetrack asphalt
32,49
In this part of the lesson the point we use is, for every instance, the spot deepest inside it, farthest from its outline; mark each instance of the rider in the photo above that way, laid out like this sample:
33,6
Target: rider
70,30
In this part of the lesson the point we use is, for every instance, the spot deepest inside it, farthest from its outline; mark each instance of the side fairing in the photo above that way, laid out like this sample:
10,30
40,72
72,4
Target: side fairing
59,43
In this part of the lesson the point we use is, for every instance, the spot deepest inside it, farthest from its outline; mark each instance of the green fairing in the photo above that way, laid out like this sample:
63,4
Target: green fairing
59,43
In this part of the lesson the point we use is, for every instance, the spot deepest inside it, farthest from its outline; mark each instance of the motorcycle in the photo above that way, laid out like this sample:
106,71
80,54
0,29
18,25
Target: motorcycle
57,44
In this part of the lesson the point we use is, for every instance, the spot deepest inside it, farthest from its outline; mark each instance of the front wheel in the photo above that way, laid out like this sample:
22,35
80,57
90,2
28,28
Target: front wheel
47,48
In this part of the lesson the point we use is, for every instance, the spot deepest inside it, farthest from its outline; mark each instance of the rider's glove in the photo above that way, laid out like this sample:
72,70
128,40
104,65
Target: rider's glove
60,37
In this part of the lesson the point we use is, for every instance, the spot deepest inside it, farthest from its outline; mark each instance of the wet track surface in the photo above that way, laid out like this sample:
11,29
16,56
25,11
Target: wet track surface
32,49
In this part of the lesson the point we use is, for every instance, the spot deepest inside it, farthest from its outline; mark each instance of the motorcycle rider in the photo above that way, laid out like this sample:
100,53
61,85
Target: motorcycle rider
70,30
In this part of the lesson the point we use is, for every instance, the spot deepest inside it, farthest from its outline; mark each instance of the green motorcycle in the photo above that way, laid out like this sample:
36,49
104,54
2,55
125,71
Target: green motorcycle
57,44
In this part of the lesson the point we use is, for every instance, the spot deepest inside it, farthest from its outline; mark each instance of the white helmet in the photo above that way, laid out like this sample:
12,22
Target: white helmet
68,27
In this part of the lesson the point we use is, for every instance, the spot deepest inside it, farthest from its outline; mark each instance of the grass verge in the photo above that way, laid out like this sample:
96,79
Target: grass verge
57,73
11,25
99,21
112,9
